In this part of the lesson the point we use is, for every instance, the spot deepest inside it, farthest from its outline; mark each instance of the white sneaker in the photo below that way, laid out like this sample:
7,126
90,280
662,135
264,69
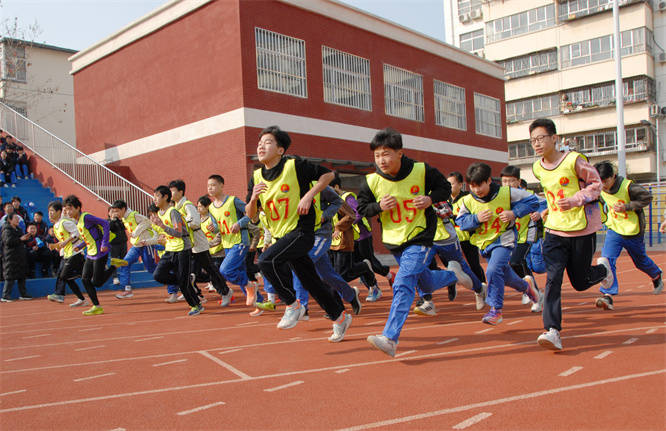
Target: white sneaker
607,282
374,294
172,298
463,279
226,299
339,329
481,297
384,344
525,300
426,309
550,340
210,287
125,294
534,293
291,316
79,303
181,297
116,281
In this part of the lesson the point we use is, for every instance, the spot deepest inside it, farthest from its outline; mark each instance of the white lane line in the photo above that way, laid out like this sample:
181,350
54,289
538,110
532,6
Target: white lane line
14,392
89,348
631,341
288,385
375,323
484,330
24,357
148,339
628,290
90,329
119,429
514,322
565,308
498,401
450,340
170,362
603,354
198,409
405,353
295,338
469,303
247,323
228,351
582,303
36,336
471,421
218,361
93,377
650,331
344,370
570,371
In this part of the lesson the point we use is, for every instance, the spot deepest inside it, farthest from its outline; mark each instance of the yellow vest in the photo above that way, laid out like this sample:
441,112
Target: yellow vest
91,246
441,234
560,183
131,225
625,223
462,234
210,236
173,243
280,200
226,217
403,222
63,235
182,212
262,224
489,230
522,225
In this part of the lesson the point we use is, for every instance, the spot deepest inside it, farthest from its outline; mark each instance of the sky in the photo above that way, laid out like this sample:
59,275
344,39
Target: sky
78,24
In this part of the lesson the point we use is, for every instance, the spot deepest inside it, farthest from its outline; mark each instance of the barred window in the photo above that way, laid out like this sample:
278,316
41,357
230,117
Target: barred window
346,79
403,93
472,40
531,63
487,116
528,109
280,63
14,65
450,106
466,6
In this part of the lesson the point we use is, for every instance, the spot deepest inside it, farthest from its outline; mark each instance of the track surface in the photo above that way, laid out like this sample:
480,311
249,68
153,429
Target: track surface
145,365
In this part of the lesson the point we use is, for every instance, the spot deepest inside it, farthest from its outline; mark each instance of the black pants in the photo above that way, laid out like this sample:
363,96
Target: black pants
518,262
95,274
204,261
291,253
363,249
251,268
471,253
575,255
7,290
118,251
343,262
68,271
174,268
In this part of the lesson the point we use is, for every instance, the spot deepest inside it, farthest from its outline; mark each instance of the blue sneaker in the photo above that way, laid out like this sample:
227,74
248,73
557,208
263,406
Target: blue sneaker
374,294
197,309
493,317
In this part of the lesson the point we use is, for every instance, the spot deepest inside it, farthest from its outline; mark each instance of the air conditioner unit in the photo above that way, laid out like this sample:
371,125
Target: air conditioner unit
661,6
476,13
464,17
662,57
654,110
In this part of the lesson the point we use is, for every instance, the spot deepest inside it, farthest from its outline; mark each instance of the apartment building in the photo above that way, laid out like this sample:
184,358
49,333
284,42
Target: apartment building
558,60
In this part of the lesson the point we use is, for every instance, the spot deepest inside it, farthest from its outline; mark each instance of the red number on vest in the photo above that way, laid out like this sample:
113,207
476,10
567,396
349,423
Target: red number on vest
273,211
551,199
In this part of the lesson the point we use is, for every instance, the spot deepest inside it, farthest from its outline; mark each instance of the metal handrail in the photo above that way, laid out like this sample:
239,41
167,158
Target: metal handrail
79,167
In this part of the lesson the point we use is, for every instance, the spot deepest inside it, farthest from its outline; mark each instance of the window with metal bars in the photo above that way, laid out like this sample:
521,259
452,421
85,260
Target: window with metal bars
403,93
280,63
450,105
487,116
346,79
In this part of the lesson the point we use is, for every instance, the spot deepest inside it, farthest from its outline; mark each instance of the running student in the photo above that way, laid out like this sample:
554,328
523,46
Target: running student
139,228
489,213
229,212
401,192
624,202
211,229
572,187
71,252
95,233
283,189
175,266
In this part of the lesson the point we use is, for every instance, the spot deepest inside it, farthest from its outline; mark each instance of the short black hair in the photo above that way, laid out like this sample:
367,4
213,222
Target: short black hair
523,183
388,137
546,123
164,191
178,185
457,175
56,205
8,203
605,168
16,198
510,171
10,216
72,200
152,209
217,178
336,181
119,204
478,173
30,223
204,200
281,137
40,213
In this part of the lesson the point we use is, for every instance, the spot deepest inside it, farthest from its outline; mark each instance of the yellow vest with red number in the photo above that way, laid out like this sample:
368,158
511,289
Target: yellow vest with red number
210,235
280,200
173,243
355,228
131,225
489,230
404,222
559,183
523,226
226,217
462,234
91,246
625,223
63,235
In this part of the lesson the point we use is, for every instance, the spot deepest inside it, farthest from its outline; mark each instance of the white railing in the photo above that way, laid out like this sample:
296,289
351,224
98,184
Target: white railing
96,178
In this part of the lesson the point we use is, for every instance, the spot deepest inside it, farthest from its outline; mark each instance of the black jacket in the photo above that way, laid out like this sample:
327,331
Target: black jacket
14,257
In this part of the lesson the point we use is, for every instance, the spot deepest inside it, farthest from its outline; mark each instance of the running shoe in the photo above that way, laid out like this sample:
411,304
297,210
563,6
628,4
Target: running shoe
493,317
126,294
6,300
210,287
118,262
196,310
525,299
480,297
227,299
25,297
172,298
658,284
94,310
56,298
534,294
464,280
257,312
605,302
607,282
340,328
426,309
292,315
384,344
79,303
374,294
550,340
391,277
266,305
355,303
306,315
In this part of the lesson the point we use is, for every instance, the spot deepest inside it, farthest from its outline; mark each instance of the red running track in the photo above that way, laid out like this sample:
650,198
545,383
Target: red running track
145,365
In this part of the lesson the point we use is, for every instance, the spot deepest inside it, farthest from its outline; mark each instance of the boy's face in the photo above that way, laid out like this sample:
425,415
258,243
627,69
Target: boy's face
542,142
176,194
608,183
511,182
54,215
37,218
32,229
9,208
214,187
267,148
388,160
455,185
481,190
16,204
72,211
203,210
160,200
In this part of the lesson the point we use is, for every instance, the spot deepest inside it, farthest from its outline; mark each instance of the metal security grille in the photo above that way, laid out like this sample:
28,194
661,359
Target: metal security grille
403,93
450,106
487,115
346,79
280,63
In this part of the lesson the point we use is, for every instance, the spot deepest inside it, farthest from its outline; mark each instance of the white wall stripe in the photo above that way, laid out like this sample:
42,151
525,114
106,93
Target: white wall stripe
471,421
198,409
